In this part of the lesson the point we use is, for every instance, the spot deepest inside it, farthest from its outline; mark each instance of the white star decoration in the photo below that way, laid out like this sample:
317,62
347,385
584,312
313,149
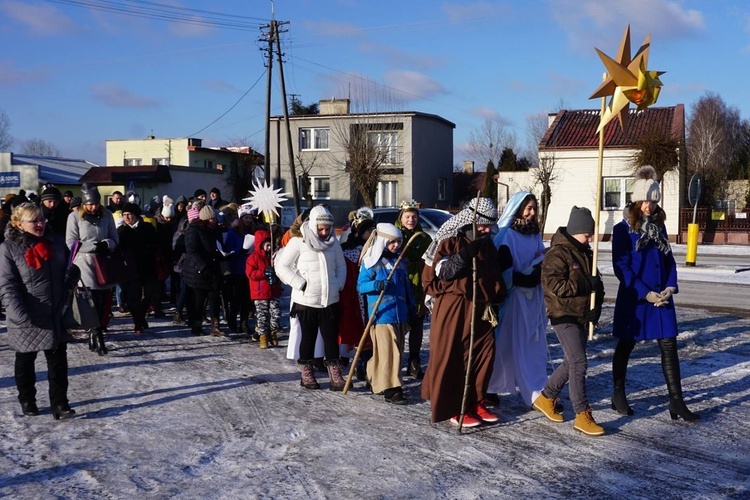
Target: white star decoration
266,199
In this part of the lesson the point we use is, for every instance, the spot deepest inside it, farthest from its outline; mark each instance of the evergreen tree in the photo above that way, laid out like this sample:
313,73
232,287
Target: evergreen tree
489,190
508,161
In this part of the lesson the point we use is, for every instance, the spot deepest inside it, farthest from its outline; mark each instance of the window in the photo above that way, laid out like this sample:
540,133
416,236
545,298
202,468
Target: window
208,164
617,192
442,184
386,142
387,194
160,161
313,138
319,188
133,162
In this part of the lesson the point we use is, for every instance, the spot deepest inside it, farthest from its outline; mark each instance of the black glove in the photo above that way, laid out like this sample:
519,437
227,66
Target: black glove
472,249
594,314
528,280
101,247
380,285
270,275
590,284
72,276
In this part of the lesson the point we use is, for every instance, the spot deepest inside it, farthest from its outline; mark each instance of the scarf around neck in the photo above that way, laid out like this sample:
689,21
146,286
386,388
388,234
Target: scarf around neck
312,239
652,232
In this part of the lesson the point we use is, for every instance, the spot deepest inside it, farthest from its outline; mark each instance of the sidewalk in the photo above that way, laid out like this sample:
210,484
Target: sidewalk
706,272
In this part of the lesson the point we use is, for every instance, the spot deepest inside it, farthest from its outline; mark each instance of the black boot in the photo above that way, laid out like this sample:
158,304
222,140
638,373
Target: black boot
92,340
101,349
415,369
62,411
670,365
619,370
29,408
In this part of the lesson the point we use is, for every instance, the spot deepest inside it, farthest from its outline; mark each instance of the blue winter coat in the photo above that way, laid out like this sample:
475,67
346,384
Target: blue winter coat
640,272
398,299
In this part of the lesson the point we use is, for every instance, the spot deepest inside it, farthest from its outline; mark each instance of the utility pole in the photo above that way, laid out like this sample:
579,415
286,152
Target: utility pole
289,147
270,37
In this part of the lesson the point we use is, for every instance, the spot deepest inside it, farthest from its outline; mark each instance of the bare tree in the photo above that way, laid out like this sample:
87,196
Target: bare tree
305,164
487,142
6,140
371,141
713,134
545,174
657,148
243,169
40,147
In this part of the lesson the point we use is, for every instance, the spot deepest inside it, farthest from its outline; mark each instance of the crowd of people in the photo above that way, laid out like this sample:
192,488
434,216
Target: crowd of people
488,281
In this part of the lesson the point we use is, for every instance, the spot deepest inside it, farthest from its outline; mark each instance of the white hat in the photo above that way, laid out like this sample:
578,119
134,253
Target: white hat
645,187
320,215
246,209
384,233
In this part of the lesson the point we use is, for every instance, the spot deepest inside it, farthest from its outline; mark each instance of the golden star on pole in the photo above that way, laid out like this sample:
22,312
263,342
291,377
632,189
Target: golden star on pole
627,81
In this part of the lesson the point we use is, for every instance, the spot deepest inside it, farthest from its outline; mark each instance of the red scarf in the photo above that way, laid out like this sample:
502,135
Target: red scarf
38,253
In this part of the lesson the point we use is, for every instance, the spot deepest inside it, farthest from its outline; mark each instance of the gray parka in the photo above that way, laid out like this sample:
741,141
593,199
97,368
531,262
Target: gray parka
33,298
89,230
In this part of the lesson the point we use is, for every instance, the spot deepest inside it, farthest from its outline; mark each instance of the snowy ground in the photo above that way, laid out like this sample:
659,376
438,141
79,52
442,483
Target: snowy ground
167,414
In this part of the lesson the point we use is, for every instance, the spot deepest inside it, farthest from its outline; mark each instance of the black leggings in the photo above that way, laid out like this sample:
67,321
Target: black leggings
312,319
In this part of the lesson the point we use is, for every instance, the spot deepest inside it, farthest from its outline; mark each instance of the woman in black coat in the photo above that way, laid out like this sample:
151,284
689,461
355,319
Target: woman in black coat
32,277
201,270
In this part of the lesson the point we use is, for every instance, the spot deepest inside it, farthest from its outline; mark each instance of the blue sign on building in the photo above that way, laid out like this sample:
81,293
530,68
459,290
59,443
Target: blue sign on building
10,179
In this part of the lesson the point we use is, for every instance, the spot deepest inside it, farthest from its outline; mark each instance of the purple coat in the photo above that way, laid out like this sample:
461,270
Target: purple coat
641,272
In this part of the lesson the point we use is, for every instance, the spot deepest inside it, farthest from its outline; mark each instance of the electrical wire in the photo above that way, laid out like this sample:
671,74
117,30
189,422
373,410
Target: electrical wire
231,108
169,13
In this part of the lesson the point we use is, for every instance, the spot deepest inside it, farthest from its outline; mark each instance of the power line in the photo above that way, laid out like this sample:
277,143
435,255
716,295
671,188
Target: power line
168,13
231,108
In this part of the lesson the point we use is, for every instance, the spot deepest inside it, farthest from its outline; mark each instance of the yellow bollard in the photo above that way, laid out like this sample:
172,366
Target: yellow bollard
692,244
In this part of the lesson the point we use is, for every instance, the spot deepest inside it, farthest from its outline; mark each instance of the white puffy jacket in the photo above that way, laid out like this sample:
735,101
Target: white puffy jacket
324,272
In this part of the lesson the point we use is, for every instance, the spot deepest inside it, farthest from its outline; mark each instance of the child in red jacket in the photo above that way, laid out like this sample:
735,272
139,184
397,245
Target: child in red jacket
265,290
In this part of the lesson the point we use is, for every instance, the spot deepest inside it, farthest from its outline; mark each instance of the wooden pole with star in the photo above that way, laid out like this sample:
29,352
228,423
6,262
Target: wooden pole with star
627,80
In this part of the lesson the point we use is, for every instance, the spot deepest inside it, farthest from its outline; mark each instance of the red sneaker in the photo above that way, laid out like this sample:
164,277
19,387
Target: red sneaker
485,415
469,421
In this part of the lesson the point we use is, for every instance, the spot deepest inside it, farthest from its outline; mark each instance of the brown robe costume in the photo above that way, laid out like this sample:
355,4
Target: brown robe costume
450,333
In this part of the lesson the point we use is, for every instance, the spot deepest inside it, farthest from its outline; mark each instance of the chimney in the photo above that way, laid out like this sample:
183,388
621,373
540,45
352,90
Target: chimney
334,107
468,167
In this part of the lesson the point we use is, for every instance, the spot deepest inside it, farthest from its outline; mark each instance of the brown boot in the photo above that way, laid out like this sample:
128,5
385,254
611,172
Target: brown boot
308,375
334,373
547,406
273,339
263,341
215,330
585,423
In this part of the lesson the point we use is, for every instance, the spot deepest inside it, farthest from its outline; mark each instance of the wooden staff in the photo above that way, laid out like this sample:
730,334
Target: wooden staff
366,333
467,380
597,210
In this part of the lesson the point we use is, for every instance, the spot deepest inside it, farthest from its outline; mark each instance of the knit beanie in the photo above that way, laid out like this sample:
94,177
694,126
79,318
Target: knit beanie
246,209
90,194
192,214
68,193
645,187
320,215
167,210
207,213
199,192
51,193
75,201
131,208
580,221
216,191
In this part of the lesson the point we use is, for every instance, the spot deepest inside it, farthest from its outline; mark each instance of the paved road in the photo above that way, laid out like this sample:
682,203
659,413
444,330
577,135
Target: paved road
728,298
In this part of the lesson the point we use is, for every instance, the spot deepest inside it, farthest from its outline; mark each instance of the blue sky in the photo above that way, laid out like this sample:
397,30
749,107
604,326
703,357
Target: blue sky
75,75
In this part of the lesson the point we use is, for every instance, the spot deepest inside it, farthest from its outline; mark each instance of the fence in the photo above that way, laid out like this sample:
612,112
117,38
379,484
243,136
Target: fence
717,227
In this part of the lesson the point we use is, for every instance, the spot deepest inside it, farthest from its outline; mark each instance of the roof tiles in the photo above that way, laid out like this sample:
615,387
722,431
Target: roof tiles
576,129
